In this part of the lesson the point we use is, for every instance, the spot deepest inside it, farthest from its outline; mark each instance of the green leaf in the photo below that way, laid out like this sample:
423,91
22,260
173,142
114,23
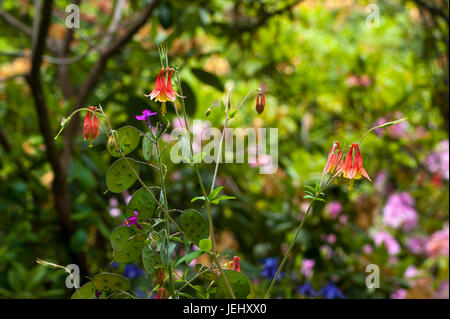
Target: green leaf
239,284
308,196
223,197
215,192
190,257
143,203
208,78
129,138
194,225
119,176
205,244
197,198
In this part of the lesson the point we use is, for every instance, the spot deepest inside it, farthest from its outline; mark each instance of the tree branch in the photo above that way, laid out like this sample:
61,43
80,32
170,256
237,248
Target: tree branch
16,23
59,187
96,71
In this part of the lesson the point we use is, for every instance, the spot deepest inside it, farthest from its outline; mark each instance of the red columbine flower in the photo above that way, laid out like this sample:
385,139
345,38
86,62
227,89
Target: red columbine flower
90,128
161,294
260,102
333,160
159,277
163,92
353,169
234,265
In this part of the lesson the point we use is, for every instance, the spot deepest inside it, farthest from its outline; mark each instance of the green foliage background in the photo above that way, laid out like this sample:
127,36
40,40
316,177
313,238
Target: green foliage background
303,57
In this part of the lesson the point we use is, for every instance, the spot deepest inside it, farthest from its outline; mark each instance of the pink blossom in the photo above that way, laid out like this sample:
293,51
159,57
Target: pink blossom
399,294
333,209
411,272
416,245
367,249
343,219
385,238
331,238
399,213
438,243
307,267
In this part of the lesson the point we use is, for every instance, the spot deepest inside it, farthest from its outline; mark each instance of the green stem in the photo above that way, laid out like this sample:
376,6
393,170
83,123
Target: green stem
267,295
163,186
208,204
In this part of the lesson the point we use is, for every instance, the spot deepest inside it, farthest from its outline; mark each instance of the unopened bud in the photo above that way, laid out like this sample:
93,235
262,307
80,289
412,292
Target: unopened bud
112,144
260,102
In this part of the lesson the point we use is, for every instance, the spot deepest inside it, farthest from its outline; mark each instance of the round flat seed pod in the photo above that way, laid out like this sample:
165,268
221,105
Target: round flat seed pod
150,259
120,236
194,225
110,281
129,138
238,282
120,177
143,203
130,252
87,291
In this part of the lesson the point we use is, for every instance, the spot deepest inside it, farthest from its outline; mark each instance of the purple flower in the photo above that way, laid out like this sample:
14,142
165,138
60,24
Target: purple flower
133,220
411,272
399,213
333,208
146,116
97,293
132,271
270,267
416,245
330,291
307,267
306,290
391,244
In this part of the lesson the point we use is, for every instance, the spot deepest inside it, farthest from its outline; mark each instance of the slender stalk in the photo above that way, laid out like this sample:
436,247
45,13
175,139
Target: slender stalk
267,295
208,204
163,186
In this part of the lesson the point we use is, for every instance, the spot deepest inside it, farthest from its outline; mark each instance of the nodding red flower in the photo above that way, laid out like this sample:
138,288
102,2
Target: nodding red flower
260,102
90,127
163,92
333,160
234,265
161,294
353,169
159,277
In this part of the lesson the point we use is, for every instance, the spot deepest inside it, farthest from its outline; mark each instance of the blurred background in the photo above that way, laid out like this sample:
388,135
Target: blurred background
330,70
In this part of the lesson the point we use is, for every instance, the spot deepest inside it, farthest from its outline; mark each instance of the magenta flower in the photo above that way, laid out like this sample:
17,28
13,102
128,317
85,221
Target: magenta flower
133,220
399,294
146,116
333,208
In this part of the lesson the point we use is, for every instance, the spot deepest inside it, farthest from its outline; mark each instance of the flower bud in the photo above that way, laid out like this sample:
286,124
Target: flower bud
260,102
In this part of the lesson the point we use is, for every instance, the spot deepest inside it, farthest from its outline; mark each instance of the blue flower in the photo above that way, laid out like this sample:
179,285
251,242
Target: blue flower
132,271
270,267
114,265
307,290
330,291
140,293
